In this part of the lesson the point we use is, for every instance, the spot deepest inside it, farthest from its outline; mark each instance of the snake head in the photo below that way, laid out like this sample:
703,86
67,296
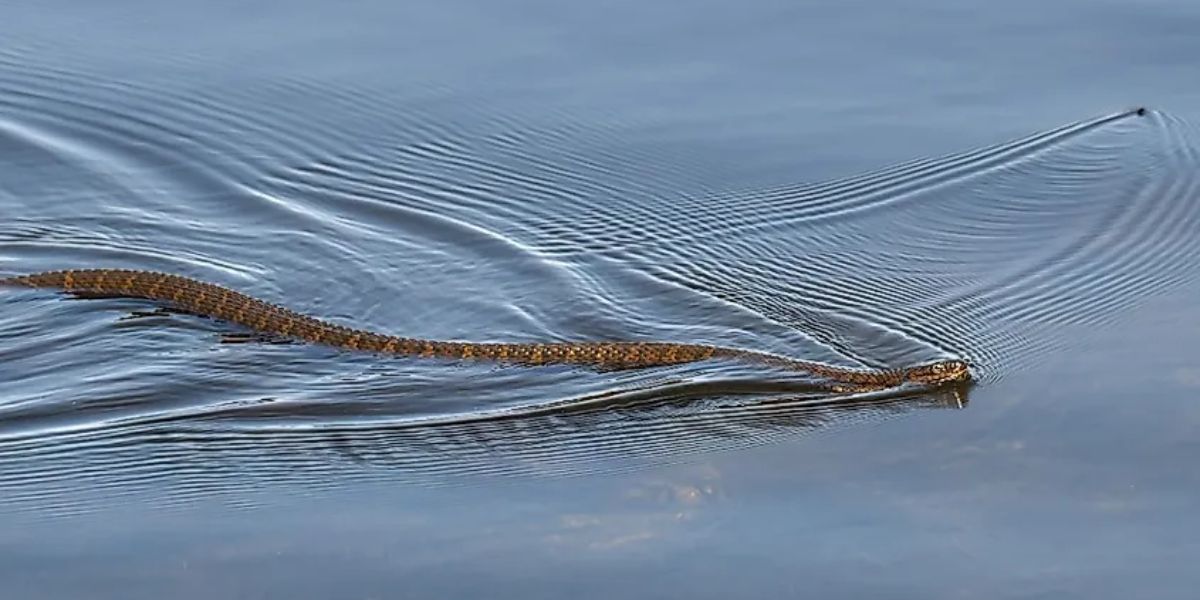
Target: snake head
942,371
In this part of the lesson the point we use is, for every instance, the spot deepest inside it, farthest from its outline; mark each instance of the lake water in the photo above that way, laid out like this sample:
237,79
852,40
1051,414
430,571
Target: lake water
867,184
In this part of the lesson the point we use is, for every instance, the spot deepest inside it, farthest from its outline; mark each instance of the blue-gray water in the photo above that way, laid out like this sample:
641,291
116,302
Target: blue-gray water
866,183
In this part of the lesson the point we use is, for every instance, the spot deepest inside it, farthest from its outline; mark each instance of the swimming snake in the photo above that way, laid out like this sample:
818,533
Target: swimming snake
207,299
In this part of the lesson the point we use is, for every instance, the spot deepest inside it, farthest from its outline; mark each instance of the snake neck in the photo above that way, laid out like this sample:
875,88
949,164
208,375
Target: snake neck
885,378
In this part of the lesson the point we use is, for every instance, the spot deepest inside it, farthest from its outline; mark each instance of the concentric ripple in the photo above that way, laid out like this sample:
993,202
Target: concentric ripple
427,213
998,255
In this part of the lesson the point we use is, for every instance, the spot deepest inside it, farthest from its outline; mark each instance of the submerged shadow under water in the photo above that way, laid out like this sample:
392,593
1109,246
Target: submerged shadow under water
244,451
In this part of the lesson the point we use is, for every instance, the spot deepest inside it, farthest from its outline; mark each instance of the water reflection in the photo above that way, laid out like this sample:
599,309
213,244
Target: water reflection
195,458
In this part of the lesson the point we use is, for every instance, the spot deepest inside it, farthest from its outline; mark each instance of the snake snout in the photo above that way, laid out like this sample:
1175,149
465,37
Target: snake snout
943,371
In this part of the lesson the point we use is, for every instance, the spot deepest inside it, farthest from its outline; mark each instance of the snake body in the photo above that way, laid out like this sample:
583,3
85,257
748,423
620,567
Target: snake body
219,302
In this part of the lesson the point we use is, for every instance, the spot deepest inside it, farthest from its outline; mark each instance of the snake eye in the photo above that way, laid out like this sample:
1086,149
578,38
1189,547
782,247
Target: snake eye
938,368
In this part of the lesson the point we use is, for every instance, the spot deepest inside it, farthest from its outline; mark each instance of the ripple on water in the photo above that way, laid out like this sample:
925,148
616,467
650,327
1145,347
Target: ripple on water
406,216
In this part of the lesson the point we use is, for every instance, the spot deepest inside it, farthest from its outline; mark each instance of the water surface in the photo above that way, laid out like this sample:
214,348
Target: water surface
867,185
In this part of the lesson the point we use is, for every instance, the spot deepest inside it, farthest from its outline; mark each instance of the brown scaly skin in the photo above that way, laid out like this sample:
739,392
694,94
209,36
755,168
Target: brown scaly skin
222,303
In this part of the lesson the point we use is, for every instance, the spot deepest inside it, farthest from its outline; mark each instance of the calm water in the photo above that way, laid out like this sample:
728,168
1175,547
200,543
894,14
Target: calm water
868,184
